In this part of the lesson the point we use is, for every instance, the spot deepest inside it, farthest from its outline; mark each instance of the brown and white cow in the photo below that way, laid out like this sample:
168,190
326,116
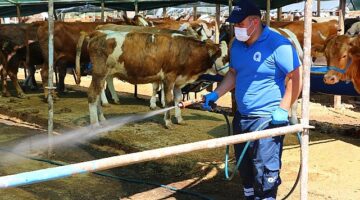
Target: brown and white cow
124,28
127,28
139,58
343,53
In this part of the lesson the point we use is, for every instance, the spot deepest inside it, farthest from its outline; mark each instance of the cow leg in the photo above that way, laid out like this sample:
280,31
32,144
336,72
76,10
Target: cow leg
62,68
14,79
104,101
96,113
155,87
44,72
93,110
110,85
5,92
30,81
162,96
168,87
177,99
32,84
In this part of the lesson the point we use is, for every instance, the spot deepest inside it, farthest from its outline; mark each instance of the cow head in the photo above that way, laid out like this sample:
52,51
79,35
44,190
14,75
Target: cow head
138,20
340,52
219,55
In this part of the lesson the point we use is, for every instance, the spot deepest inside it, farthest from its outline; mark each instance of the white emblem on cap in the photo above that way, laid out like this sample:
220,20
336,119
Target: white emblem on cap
237,8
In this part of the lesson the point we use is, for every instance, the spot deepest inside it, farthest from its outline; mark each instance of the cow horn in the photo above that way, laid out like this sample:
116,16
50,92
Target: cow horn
322,36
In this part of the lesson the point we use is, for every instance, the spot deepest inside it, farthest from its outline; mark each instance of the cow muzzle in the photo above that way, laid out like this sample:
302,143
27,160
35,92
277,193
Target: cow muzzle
331,79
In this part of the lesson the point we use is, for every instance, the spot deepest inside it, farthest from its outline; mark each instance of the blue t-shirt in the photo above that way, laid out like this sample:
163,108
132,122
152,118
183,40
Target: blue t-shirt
261,69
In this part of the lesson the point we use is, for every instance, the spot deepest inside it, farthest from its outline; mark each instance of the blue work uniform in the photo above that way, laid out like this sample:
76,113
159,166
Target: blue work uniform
261,69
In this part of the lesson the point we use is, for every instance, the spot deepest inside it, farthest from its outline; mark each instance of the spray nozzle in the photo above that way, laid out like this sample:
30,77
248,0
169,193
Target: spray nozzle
184,104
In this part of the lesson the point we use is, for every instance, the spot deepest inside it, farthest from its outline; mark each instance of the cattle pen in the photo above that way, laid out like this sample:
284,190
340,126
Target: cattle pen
128,159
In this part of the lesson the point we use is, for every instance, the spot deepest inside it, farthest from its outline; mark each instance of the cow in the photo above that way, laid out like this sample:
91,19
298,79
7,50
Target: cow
18,58
354,29
156,86
172,59
114,27
348,22
15,40
343,55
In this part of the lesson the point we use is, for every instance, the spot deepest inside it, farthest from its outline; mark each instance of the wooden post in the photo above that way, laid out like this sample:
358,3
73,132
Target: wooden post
194,13
231,25
50,78
268,5
279,14
164,12
136,8
102,11
217,18
306,101
318,8
18,13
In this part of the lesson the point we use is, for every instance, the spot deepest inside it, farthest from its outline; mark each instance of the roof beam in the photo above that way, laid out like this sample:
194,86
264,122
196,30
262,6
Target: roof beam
12,2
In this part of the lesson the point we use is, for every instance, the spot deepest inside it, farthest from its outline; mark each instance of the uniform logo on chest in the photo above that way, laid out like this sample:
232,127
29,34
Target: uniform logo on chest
257,57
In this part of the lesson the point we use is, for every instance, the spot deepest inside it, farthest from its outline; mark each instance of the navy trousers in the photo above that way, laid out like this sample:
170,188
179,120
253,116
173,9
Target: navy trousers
260,166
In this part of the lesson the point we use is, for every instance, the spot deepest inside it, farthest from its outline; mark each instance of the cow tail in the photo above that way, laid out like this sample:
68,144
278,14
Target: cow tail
78,56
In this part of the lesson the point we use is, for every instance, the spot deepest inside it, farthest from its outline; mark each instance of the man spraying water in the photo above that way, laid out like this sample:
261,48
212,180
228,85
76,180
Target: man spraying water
260,60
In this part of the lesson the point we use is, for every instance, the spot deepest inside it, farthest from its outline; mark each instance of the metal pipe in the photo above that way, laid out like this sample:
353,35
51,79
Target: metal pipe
306,100
50,78
117,161
318,7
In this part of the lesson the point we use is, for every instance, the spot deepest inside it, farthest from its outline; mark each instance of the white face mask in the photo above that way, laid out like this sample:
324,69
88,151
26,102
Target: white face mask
241,33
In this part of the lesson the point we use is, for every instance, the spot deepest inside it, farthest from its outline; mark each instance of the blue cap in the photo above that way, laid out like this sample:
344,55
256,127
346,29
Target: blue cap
243,9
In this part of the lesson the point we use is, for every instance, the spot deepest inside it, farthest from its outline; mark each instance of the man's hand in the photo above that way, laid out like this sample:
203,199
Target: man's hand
279,116
213,96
